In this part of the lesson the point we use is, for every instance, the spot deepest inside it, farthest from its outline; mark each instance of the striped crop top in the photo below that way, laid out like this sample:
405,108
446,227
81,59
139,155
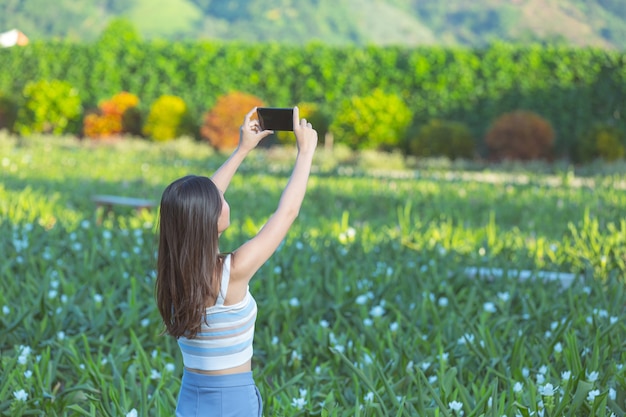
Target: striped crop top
225,338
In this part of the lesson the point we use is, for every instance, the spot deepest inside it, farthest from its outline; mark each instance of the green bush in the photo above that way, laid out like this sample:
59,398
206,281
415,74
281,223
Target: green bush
376,121
169,118
437,138
602,141
49,107
8,112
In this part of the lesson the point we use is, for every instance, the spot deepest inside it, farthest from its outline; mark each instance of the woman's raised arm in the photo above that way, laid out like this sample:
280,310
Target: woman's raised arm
250,134
253,254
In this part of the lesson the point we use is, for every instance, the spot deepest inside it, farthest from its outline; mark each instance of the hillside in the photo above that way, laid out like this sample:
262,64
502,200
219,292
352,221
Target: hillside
600,23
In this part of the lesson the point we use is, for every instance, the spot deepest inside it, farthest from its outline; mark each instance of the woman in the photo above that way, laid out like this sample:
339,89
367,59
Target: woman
202,294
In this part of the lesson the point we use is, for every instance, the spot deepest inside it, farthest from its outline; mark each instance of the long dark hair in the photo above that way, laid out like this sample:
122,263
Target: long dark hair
189,262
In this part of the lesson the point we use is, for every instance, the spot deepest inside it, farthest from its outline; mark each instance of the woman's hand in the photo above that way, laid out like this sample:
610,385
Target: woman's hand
250,133
306,136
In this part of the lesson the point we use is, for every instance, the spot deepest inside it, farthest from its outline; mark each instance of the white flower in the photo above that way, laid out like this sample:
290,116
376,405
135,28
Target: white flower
541,378
107,234
145,322
20,395
518,387
318,370
296,356
592,395
566,375
489,307
504,296
592,376
52,293
275,340
369,397
368,322
443,302
543,369
394,326
525,372
558,347
425,366
294,302
28,373
547,390
61,335
299,403
377,311
613,319
132,413
154,374
170,367
455,405
612,394
98,298
6,310
324,323
84,224
277,270
361,299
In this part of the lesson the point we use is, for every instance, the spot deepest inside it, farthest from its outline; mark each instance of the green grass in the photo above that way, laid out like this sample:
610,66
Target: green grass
365,310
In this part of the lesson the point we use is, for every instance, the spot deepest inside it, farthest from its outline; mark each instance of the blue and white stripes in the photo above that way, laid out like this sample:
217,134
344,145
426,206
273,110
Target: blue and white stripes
225,339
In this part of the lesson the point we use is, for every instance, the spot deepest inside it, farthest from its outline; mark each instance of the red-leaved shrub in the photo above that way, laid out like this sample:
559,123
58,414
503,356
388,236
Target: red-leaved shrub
520,135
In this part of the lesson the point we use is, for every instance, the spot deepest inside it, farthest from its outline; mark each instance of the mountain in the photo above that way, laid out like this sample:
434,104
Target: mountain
599,23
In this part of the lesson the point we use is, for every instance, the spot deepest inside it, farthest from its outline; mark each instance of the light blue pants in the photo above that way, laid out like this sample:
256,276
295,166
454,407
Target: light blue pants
234,395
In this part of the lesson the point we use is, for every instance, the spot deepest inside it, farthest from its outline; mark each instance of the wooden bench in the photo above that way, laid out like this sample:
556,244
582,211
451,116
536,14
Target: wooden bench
107,202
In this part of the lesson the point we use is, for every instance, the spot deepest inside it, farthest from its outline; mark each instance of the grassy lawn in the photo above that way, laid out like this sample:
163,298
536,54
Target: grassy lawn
367,309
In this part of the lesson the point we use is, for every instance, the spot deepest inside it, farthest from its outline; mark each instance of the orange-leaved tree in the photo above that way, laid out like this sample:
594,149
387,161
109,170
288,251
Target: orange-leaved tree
221,124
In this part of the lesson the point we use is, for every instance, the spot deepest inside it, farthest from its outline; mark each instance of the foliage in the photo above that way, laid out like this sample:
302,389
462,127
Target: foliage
472,87
8,112
221,124
375,121
169,118
452,140
119,32
388,320
520,135
116,116
602,141
49,107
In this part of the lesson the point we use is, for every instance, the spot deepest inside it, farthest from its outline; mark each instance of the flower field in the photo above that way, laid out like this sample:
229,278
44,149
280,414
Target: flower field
367,309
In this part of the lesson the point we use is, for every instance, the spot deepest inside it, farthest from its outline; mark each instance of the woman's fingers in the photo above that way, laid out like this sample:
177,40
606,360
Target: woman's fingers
248,116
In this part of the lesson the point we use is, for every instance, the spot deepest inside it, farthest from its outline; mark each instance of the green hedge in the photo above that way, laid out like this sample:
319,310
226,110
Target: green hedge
573,88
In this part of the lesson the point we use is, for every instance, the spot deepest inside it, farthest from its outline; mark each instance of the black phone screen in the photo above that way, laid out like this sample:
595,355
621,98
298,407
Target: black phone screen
274,118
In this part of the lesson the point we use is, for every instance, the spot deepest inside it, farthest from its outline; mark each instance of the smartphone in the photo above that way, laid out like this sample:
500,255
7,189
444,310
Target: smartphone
275,118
